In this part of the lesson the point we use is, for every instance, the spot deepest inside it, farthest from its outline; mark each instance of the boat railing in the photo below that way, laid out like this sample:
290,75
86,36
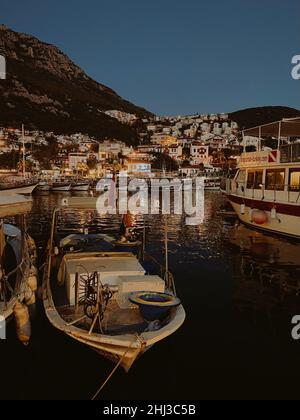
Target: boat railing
276,189
164,274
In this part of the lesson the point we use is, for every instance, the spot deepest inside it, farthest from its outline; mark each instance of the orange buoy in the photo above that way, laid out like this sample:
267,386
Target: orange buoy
260,217
23,325
32,280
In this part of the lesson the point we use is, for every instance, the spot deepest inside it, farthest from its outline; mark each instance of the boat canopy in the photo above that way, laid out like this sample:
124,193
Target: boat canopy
288,127
13,205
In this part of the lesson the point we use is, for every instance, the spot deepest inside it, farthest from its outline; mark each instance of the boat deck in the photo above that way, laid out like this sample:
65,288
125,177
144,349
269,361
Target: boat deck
116,320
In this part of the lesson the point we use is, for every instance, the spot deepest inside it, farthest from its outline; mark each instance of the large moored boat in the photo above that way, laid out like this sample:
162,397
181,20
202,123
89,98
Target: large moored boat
265,192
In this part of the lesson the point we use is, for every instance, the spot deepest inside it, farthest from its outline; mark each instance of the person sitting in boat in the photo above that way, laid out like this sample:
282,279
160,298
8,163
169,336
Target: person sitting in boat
127,233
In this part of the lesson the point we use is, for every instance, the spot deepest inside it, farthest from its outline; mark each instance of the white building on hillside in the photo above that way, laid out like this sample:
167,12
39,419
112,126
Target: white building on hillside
199,153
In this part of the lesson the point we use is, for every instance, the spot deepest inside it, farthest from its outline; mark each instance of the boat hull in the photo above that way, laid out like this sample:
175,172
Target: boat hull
24,190
120,349
285,222
43,188
61,188
82,187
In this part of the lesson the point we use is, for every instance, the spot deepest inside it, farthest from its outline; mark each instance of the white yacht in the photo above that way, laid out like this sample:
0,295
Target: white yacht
265,192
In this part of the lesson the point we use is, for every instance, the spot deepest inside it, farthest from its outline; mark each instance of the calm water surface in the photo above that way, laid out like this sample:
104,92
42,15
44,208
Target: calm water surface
240,290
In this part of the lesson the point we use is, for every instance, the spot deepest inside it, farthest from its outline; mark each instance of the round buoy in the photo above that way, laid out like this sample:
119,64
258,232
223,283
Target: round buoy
23,326
274,213
259,217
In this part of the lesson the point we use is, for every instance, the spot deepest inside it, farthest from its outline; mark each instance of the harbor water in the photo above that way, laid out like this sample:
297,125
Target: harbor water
240,290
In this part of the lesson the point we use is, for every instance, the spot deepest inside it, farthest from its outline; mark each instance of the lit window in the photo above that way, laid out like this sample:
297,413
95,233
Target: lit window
275,180
295,180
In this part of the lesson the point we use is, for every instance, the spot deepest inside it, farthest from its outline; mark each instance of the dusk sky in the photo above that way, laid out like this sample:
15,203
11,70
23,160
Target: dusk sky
175,57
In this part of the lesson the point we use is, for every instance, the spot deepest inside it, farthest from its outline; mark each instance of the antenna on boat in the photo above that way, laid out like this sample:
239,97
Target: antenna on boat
144,240
279,135
166,253
259,140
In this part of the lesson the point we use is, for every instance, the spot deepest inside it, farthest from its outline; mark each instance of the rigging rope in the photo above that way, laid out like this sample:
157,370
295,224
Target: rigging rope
114,369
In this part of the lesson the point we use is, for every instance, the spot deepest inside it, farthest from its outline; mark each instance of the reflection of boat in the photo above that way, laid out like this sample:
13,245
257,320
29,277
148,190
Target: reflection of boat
265,192
18,276
269,272
20,187
61,186
88,294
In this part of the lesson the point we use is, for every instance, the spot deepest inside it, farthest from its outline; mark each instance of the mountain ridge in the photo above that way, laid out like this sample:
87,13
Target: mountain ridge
253,117
46,90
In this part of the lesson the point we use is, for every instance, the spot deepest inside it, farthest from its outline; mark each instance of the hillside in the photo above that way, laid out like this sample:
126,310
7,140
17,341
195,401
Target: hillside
253,117
45,90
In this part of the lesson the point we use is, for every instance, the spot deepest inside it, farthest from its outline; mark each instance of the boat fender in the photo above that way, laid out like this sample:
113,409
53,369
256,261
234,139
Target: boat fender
23,326
274,213
29,297
32,247
32,280
259,217
243,209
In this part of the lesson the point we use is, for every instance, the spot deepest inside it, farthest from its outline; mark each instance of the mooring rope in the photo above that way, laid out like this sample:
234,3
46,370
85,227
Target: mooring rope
114,369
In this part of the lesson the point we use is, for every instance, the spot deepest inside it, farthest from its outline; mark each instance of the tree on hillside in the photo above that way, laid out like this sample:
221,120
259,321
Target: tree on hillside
162,160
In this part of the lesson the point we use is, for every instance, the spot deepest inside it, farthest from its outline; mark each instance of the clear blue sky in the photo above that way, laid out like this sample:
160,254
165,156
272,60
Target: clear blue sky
171,56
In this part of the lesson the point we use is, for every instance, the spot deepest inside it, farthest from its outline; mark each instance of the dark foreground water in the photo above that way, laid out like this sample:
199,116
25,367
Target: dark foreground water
240,291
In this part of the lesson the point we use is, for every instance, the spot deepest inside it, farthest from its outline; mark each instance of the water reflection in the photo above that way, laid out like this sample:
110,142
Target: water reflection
240,290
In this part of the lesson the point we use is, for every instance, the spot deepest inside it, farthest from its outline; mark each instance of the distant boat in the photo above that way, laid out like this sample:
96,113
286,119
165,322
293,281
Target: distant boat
12,188
43,186
80,186
61,186
105,298
212,183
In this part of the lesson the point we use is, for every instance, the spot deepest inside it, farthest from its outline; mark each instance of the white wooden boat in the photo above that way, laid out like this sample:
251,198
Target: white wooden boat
43,186
80,186
89,295
22,188
18,276
265,192
61,186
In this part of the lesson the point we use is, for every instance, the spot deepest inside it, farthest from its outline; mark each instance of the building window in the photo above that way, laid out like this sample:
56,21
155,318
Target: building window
275,179
294,180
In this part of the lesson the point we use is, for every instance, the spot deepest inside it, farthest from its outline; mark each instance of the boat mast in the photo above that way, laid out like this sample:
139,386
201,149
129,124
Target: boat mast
23,147
166,253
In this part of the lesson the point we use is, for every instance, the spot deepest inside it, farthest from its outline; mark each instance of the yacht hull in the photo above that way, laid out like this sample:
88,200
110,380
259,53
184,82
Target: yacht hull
285,221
